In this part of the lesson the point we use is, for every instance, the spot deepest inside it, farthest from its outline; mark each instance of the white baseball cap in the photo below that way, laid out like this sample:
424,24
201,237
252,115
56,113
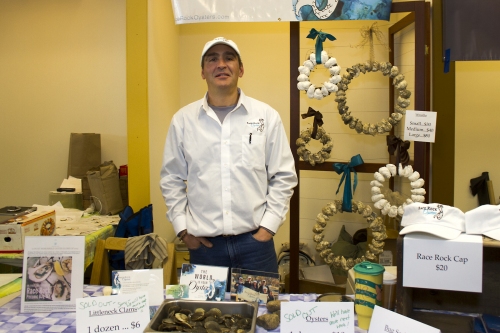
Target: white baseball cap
434,218
216,41
483,220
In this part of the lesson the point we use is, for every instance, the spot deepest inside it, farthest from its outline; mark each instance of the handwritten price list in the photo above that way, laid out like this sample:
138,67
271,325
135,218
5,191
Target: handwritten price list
335,317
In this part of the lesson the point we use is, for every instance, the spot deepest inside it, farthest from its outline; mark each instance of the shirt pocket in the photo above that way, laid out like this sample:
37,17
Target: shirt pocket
253,151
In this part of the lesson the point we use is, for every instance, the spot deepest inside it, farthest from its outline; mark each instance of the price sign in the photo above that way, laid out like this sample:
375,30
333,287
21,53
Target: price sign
120,313
332,317
436,263
420,126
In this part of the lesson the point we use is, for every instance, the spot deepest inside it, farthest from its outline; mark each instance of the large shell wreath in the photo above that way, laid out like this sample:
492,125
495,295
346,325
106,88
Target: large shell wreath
417,192
317,91
376,224
385,125
320,156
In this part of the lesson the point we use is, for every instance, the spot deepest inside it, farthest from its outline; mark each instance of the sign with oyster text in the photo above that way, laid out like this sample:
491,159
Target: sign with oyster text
436,263
299,317
420,126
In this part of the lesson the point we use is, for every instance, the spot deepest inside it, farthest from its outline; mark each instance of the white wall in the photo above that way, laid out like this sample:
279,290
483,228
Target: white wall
62,66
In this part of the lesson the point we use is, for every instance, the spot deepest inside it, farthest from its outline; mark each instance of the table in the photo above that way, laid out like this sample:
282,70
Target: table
93,228
11,321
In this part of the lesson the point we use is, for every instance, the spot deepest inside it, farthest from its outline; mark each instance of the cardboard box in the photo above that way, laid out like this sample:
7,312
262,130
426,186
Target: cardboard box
38,223
67,199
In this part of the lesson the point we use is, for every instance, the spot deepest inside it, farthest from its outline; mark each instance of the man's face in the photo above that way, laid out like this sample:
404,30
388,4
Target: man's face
221,68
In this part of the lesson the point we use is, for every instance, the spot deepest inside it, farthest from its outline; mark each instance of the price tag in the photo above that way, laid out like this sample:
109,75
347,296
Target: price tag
420,126
435,263
331,317
120,313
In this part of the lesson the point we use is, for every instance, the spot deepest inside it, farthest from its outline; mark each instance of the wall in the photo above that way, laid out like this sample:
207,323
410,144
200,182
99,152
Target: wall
476,128
62,66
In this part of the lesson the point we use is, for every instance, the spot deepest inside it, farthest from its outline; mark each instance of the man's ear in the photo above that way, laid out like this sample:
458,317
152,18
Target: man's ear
202,75
242,71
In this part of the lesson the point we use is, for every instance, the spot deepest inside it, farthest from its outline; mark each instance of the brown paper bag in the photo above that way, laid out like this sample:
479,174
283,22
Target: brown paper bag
105,189
84,153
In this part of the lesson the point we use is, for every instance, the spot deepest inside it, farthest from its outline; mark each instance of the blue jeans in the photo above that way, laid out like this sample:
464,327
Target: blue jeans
240,251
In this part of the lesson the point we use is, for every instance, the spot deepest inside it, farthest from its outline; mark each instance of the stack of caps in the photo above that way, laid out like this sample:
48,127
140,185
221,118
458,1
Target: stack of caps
484,220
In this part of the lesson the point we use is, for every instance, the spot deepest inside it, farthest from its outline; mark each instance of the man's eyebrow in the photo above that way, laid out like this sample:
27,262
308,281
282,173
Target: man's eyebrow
225,53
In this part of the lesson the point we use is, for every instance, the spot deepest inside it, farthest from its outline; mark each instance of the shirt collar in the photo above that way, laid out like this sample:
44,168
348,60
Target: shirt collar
241,102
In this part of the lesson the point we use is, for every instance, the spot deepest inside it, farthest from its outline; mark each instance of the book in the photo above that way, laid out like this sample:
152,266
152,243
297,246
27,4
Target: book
204,282
53,273
254,286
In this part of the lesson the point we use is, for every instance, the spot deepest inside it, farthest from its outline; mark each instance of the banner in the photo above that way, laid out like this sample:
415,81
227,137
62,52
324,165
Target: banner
198,11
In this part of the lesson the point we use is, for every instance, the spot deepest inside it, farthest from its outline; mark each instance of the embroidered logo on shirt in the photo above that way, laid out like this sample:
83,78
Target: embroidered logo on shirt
258,125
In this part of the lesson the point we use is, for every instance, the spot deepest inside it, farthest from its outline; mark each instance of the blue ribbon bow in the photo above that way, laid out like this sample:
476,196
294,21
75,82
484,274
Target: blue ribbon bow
346,169
320,38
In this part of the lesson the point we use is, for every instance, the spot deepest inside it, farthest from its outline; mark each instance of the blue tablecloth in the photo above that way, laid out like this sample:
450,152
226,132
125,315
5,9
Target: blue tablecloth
12,321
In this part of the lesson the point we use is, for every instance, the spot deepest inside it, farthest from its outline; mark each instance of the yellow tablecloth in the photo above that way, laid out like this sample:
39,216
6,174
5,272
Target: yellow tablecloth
93,228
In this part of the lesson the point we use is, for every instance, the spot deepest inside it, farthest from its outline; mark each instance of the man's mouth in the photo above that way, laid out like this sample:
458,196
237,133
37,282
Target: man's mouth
222,75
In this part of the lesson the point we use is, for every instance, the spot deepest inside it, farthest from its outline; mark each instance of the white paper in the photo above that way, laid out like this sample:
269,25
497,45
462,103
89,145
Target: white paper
301,317
436,263
53,273
384,320
149,281
120,313
420,126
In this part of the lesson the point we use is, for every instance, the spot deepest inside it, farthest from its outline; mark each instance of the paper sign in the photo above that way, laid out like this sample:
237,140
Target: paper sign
121,313
304,317
436,263
146,280
420,126
384,320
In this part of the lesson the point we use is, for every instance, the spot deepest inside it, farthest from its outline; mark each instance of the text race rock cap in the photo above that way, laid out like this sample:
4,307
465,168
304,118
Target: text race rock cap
436,219
484,220
216,41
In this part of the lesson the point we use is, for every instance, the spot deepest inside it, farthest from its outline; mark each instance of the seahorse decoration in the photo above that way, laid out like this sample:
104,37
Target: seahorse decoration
321,14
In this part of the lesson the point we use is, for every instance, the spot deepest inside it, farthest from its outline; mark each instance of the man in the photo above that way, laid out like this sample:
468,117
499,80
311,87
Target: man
228,172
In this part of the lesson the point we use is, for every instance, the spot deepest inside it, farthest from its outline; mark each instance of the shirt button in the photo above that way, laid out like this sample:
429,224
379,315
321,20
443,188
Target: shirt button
227,212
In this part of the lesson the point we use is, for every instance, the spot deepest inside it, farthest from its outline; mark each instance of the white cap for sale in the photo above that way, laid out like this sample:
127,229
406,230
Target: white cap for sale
436,219
483,220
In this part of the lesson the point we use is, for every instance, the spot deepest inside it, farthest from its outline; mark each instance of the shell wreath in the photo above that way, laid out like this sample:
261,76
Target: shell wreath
417,192
318,92
403,100
322,155
376,224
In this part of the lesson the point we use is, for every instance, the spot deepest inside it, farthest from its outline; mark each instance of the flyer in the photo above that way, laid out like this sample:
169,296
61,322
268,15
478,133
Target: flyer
54,273
140,280
254,286
204,282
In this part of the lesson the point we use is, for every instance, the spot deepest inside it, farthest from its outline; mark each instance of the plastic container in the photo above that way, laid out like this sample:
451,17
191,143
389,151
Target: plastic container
389,291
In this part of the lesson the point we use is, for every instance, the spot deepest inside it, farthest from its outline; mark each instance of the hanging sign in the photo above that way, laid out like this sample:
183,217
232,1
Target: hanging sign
198,11
420,126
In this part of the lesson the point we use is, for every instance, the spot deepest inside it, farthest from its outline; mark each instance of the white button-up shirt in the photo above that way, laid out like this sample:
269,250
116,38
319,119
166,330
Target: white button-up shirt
229,178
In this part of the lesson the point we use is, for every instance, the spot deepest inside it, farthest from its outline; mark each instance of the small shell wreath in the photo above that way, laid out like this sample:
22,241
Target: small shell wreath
417,192
319,91
322,155
399,82
376,224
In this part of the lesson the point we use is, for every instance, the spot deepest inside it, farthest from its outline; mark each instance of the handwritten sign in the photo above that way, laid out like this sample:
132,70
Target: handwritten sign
437,263
420,126
120,313
332,317
384,320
